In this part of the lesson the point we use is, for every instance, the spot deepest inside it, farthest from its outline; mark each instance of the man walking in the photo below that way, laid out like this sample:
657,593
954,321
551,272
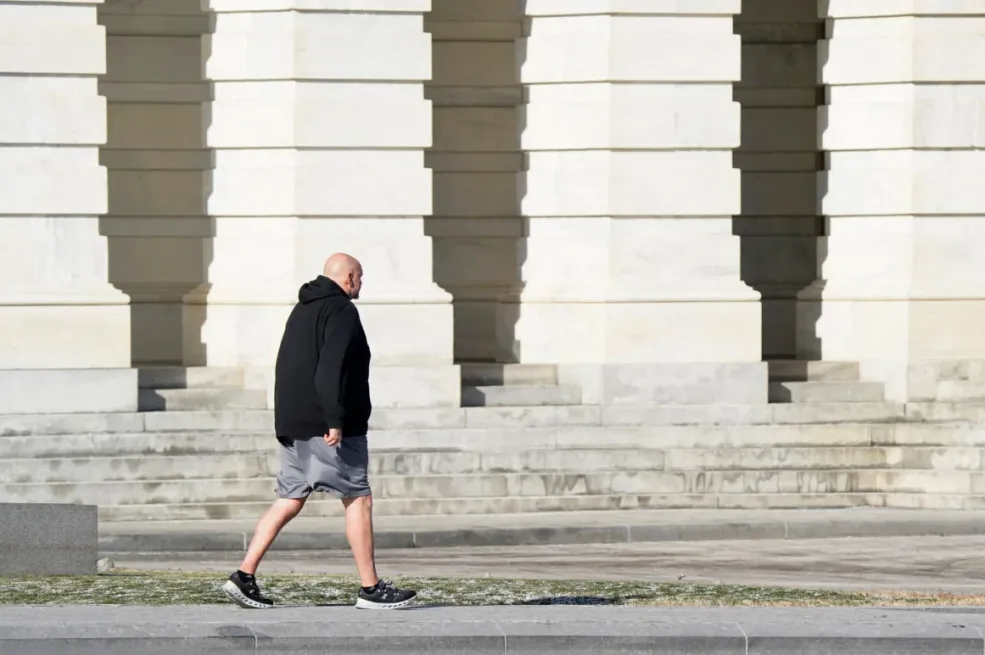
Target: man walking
321,415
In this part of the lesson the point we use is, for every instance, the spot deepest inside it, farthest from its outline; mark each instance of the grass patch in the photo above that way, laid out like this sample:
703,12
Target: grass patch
177,588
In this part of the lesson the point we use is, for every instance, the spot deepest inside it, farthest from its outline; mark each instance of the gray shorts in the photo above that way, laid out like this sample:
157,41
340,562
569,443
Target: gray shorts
310,464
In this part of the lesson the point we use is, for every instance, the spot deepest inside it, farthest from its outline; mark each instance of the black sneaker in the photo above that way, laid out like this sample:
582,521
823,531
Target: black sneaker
242,589
384,596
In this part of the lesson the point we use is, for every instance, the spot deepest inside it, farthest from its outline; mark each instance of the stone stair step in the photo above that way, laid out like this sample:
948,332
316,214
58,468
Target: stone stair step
189,377
542,528
265,463
440,419
315,508
520,396
515,439
520,485
479,374
790,370
156,400
791,413
826,392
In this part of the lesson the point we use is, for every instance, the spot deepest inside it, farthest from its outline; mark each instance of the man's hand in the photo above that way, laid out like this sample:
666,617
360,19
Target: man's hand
333,437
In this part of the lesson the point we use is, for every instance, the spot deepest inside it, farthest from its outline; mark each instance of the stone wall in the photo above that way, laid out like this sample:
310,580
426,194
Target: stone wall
904,129
64,330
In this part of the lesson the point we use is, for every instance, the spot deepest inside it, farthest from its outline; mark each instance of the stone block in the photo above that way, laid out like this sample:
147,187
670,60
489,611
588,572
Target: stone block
291,114
520,396
640,7
474,64
35,111
826,392
32,175
637,49
685,183
51,39
374,6
913,50
903,116
160,59
39,391
314,45
892,183
685,384
153,400
172,193
400,387
479,129
477,194
48,539
320,183
637,116
182,377
896,8
177,126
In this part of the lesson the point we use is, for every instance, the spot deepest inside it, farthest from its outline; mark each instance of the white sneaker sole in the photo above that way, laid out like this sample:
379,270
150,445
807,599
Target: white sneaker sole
234,594
369,605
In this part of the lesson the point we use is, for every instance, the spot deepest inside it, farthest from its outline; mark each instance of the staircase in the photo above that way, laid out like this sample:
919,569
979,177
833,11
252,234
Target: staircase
203,448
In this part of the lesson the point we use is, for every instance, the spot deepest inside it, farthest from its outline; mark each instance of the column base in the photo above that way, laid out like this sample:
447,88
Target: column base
68,391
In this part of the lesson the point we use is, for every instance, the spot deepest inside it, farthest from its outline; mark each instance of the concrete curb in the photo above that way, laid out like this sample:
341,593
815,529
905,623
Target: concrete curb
541,630
824,526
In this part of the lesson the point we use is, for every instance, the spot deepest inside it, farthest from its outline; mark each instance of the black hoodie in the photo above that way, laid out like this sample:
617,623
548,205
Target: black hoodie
322,376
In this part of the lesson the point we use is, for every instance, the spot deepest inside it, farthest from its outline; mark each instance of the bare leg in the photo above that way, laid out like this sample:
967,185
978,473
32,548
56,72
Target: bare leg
359,531
279,515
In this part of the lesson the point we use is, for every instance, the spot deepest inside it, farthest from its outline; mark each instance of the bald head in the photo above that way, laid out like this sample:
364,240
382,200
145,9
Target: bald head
346,271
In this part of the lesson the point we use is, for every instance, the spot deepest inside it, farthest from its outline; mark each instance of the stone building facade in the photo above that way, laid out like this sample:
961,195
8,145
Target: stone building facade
656,195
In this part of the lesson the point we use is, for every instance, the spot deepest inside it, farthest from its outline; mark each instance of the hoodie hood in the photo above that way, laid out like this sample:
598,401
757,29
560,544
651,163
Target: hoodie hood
319,288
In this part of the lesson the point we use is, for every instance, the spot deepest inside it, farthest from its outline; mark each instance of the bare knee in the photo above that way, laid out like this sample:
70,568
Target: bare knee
289,507
364,503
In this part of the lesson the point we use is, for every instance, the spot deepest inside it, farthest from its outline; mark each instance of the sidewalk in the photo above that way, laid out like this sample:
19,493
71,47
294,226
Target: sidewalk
615,527
481,630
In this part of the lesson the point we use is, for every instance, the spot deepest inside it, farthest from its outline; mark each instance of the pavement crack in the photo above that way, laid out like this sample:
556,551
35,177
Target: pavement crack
744,636
506,641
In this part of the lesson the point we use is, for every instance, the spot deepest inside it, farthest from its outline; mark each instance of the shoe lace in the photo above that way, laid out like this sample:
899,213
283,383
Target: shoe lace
387,590
252,588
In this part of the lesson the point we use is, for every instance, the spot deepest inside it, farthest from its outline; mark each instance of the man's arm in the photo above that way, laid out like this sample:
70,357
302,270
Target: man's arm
331,365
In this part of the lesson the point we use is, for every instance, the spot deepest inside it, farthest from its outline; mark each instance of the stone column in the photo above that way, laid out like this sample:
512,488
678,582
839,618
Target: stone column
903,281
64,330
631,262
318,129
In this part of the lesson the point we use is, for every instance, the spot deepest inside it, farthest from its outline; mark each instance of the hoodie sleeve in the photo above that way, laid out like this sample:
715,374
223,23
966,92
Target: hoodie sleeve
331,365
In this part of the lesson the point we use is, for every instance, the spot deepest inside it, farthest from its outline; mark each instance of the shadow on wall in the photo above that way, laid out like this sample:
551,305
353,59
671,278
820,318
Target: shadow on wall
477,231
783,234
160,172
